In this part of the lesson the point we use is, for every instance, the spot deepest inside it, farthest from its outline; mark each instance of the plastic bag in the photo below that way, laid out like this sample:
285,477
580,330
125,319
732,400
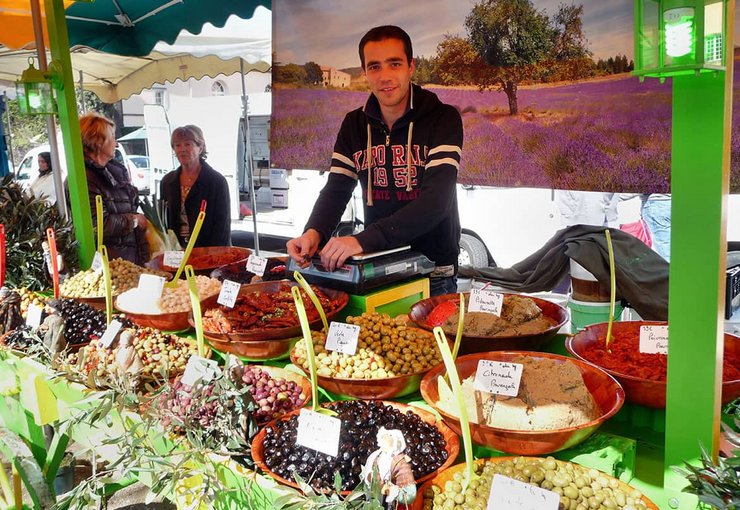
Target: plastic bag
640,230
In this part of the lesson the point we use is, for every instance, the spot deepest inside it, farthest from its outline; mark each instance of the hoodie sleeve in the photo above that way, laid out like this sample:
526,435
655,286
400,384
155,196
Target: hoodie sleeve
437,196
339,186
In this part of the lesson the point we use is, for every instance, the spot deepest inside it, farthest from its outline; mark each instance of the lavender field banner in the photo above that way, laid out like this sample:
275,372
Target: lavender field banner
565,113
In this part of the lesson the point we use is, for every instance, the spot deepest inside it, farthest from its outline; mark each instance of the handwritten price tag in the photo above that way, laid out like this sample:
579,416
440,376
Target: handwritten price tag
110,333
97,263
173,258
151,285
484,300
319,432
654,339
343,338
509,494
33,316
229,293
498,377
199,369
256,265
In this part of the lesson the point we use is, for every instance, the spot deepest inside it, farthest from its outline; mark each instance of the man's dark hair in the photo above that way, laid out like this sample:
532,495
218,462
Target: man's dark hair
381,34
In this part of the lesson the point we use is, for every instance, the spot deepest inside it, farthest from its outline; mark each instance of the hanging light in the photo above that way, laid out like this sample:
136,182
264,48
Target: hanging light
674,37
35,92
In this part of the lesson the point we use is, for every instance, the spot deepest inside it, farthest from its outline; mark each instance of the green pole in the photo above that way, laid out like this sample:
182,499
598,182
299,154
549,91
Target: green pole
76,180
702,109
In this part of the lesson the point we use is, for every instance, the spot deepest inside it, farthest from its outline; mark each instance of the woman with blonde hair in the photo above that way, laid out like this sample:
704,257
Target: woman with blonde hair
123,227
184,189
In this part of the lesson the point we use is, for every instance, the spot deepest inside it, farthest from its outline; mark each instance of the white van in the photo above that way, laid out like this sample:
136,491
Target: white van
28,170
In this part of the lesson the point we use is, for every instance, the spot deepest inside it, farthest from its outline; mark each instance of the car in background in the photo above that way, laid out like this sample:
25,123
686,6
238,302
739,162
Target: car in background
140,172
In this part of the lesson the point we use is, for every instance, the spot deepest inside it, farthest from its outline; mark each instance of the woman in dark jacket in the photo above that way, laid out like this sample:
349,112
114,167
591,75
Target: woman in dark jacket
184,189
123,227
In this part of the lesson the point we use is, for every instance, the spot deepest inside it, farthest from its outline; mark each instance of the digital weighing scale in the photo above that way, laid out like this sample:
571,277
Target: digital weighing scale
367,271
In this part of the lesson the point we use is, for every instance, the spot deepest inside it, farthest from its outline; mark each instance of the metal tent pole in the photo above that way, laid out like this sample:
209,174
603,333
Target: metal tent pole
248,158
9,134
50,124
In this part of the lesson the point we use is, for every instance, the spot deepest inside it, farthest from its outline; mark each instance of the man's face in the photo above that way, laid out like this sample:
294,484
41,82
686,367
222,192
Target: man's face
388,72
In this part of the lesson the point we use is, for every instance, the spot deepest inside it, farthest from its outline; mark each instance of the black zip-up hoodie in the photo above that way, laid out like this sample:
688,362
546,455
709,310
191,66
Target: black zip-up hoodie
422,212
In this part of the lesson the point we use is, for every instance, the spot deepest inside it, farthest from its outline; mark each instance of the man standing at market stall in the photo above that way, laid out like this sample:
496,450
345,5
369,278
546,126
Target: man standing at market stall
404,147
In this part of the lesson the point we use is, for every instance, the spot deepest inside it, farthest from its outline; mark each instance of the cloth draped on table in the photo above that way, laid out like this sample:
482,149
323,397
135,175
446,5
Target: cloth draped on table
641,274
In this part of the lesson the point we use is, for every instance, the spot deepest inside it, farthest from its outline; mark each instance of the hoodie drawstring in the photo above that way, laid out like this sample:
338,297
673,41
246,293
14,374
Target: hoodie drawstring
369,158
409,157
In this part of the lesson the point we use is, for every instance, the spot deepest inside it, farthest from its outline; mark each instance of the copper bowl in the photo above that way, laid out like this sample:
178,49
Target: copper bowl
255,350
606,391
644,392
237,271
264,343
448,474
262,334
174,321
369,389
452,443
472,344
205,259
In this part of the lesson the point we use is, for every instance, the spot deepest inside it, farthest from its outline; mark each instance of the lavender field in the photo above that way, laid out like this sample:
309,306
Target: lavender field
608,135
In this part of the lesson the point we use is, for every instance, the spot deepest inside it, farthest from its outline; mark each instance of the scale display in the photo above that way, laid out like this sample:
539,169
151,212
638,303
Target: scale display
366,272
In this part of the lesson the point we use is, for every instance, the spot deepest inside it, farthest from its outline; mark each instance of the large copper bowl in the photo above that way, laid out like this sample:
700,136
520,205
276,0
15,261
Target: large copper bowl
264,343
205,259
256,350
259,334
176,321
472,344
452,445
370,389
642,391
606,391
448,474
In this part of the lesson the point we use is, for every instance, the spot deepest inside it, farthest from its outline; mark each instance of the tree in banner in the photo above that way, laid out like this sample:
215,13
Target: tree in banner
521,44
314,76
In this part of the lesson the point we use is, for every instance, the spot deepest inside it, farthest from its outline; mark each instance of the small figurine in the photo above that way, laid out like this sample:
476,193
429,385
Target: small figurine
392,467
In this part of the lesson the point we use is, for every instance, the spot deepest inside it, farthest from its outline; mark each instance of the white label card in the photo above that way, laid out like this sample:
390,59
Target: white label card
654,339
509,494
498,377
484,300
229,293
343,338
319,432
256,265
110,333
97,263
151,284
33,316
173,258
199,369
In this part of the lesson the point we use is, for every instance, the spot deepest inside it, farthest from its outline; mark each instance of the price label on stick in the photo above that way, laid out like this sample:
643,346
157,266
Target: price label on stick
110,333
172,258
33,316
485,300
256,265
319,432
498,377
509,494
229,293
654,339
199,369
97,263
151,285
342,338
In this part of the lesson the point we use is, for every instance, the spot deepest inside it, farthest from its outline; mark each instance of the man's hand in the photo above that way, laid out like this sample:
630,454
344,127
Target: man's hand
302,248
339,249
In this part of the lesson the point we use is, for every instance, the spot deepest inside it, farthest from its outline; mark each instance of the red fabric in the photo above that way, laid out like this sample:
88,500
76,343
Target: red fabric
640,230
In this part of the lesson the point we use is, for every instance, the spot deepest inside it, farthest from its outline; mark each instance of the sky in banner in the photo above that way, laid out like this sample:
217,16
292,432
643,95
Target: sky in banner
607,25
